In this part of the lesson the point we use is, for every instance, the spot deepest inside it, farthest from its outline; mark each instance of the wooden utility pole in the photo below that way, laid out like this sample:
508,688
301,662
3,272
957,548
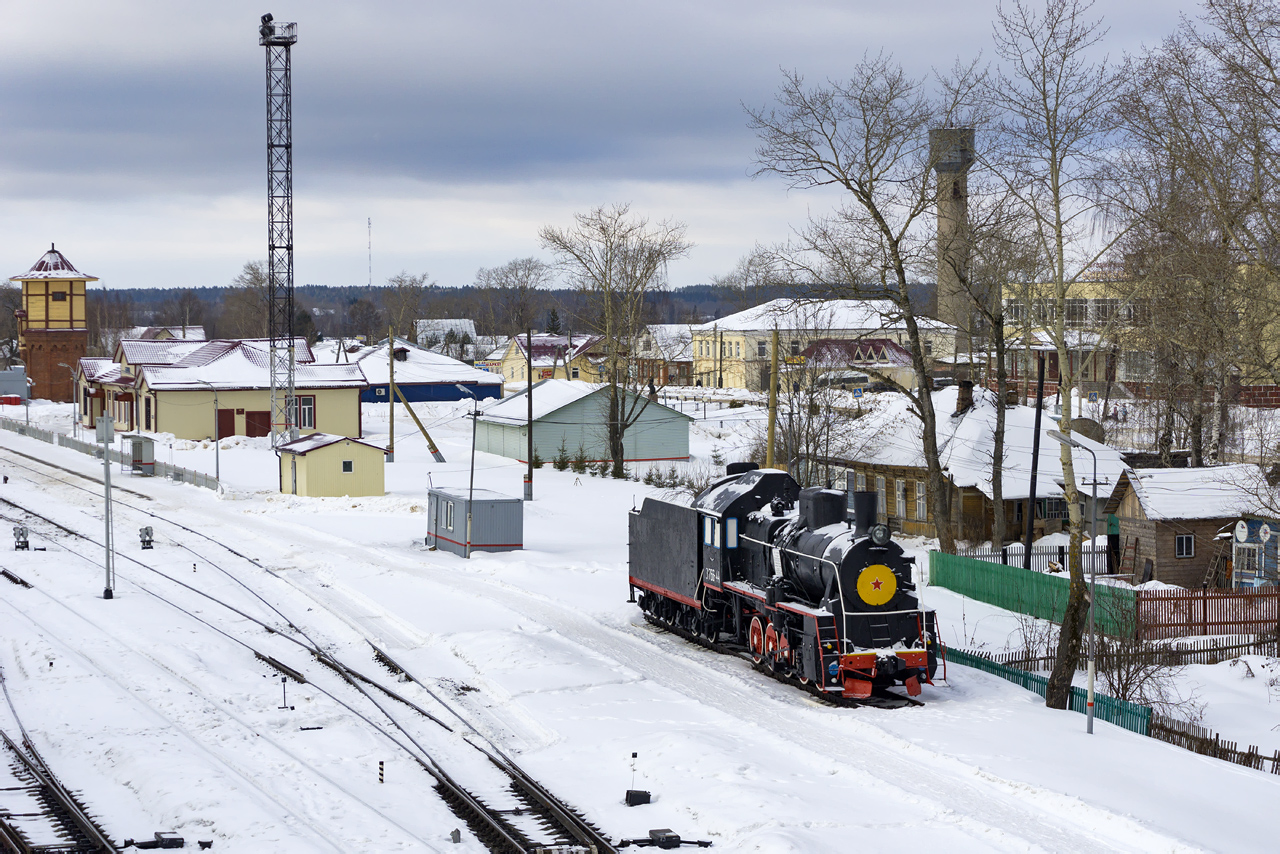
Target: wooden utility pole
773,401
391,400
528,477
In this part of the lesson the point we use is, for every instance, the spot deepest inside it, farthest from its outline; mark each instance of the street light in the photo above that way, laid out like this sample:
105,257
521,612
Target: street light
1093,567
217,440
471,486
75,416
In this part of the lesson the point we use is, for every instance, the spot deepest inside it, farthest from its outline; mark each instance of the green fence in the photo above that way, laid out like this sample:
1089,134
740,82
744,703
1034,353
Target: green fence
1034,593
1122,713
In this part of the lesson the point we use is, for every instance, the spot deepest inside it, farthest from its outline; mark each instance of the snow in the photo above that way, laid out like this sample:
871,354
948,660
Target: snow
315,441
420,365
826,316
163,724
1197,493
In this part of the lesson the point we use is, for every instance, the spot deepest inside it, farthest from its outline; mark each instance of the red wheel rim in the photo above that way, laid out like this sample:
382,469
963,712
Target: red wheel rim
755,639
771,642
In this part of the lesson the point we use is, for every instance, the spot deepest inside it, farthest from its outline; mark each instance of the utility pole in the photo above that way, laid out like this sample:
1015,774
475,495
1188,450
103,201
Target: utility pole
278,38
528,477
106,433
391,395
773,402
1035,464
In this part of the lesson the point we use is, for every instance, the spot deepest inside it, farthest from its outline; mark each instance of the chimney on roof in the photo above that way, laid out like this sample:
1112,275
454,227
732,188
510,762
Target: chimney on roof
964,400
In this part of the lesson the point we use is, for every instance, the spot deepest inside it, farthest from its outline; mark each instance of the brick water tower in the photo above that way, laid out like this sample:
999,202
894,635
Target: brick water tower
52,331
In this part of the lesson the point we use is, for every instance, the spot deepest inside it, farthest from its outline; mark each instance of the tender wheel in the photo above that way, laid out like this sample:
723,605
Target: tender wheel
755,640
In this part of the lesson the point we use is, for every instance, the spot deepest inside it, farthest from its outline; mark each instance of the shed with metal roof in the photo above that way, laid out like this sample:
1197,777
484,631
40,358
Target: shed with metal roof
327,466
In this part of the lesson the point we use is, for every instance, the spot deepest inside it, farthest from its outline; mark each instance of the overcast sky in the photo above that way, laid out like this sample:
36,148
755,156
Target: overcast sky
134,132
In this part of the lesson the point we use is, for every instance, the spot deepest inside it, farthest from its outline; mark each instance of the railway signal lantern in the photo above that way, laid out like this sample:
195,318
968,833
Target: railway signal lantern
146,536
20,543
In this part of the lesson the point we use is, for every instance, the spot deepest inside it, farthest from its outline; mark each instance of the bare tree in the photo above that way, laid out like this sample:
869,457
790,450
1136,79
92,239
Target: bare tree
617,260
244,305
1055,130
509,295
10,301
867,136
402,301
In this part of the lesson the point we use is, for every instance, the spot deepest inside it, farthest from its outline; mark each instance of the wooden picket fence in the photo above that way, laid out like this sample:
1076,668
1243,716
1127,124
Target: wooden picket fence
1204,651
1163,614
1199,740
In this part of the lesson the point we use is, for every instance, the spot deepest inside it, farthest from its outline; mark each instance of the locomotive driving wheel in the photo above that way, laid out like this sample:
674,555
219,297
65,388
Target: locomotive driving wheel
771,648
755,640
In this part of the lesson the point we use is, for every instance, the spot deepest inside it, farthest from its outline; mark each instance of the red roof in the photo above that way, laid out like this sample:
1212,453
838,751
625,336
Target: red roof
54,265
859,351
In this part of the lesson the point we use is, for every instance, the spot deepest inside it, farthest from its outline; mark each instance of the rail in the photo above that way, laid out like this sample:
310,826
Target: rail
93,449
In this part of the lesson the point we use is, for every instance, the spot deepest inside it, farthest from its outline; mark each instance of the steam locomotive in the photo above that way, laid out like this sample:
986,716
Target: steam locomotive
805,580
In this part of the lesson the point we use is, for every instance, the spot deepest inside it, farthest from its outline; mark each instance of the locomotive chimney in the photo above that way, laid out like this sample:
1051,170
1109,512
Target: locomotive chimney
864,512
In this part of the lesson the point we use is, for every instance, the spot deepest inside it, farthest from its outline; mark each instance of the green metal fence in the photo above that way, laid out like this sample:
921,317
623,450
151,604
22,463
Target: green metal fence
1034,593
1122,713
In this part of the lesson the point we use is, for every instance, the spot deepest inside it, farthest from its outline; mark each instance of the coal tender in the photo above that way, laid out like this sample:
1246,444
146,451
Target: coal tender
805,580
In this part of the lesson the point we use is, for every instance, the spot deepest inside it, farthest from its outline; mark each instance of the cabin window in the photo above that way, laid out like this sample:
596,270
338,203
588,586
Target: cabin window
922,505
731,532
448,515
575,373
708,524
880,495
348,466
795,348
900,494
305,411
59,296
1184,545
860,479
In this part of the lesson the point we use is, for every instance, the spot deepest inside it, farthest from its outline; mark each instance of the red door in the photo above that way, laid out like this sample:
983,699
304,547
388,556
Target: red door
226,423
257,424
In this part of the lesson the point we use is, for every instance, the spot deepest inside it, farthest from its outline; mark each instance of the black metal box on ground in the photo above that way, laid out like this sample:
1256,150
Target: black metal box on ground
664,547
497,520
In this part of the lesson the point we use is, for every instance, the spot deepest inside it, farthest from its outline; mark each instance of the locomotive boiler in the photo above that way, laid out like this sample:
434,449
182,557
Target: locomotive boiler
804,580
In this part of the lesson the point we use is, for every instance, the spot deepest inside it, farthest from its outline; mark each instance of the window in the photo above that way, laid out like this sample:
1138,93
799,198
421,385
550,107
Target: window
1053,508
795,348
922,505
59,296
304,412
861,480
348,466
448,515
1184,545
881,504
575,373
762,349
1105,309
707,524
1014,310
900,493
715,533
737,349
731,532
928,348
1077,312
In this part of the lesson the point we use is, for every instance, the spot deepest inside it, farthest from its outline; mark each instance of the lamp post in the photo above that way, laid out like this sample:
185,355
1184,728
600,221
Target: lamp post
75,416
1093,569
217,440
471,485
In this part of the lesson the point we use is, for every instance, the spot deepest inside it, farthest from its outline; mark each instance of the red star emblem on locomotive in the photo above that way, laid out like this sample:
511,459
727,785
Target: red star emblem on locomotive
876,584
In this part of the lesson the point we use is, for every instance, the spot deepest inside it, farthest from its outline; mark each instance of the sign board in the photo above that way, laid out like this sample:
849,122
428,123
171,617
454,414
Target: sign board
1242,531
857,392
106,430
1093,397
545,374
1264,533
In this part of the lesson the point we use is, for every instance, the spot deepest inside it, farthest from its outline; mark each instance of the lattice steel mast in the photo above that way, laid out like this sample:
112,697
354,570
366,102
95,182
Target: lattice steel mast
278,38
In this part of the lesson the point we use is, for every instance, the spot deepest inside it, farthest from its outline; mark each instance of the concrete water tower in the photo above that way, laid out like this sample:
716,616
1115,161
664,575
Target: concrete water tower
951,152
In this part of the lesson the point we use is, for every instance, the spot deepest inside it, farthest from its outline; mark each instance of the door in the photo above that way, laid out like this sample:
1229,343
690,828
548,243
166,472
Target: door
226,423
147,411
257,424
431,520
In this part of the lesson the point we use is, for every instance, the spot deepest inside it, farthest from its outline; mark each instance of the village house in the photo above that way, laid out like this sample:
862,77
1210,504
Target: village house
171,386
573,415
857,364
562,357
420,374
664,355
321,465
1176,524
735,351
886,457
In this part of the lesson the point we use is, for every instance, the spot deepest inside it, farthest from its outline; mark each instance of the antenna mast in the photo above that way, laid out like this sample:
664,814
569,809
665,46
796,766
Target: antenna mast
278,38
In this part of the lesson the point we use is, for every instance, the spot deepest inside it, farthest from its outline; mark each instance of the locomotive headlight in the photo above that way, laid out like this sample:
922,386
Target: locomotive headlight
880,535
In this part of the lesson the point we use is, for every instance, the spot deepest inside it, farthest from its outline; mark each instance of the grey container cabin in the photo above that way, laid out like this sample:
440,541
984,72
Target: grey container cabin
497,520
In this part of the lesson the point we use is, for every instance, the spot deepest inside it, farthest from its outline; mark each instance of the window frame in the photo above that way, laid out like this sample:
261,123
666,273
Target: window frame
900,498
58,296
348,466
1187,551
882,497
448,514
922,501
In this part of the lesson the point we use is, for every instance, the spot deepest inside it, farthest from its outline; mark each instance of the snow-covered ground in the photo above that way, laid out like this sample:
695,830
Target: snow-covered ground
164,724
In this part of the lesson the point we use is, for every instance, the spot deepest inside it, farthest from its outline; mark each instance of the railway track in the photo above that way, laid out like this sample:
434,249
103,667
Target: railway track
39,815
520,816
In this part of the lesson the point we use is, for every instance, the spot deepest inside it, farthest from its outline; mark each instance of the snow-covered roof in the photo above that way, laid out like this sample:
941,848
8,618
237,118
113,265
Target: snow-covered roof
164,351
672,342
823,316
315,441
549,349
53,265
100,370
548,396
890,435
420,365
438,328
246,365
1218,492
148,333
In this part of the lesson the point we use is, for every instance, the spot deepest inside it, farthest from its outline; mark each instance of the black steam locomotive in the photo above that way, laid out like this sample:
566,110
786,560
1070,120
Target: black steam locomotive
805,580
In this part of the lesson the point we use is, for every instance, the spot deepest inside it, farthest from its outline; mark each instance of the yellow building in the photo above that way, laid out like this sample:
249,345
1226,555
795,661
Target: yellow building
202,389
563,357
735,351
325,466
52,331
